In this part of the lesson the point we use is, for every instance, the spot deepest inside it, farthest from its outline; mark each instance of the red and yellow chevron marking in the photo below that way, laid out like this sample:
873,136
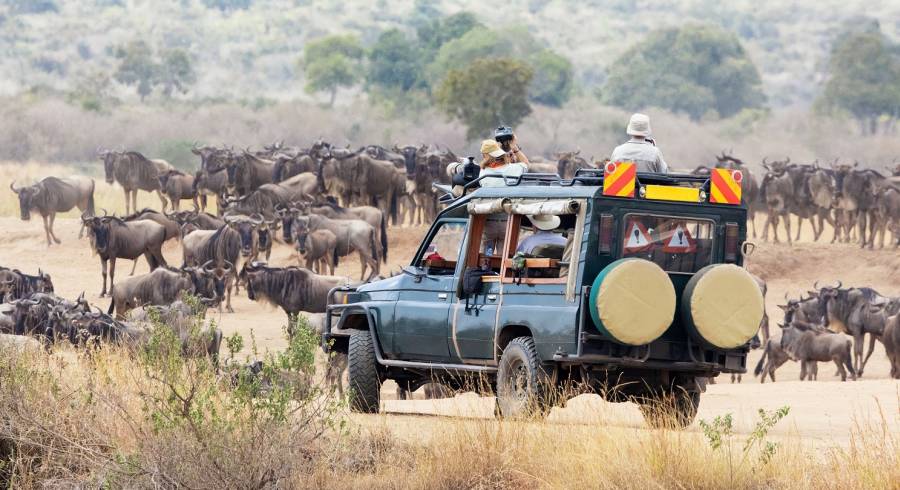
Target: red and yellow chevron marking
619,179
725,186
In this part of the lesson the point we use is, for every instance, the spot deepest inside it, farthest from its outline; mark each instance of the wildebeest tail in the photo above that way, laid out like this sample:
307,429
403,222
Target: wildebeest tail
90,204
112,303
374,246
384,238
759,365
849,364
393,207
335,258
195,185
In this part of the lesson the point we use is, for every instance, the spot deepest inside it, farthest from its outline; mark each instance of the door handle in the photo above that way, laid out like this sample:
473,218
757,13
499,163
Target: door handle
442,295
492,297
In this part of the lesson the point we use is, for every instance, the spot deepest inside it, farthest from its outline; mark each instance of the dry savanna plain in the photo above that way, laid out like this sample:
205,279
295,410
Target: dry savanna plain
836,434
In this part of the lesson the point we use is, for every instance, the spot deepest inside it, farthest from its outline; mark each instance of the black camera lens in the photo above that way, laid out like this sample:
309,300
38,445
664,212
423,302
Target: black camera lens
504,138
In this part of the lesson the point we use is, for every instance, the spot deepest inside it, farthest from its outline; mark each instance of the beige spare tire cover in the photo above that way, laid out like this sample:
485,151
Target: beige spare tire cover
633,301
722,306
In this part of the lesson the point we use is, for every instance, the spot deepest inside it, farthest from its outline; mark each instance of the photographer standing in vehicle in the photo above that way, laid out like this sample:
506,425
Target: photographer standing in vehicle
640,149
507,139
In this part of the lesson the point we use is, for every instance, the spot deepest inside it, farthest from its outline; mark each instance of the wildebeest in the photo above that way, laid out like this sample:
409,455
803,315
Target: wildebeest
134,172
263,201
887,215
221,246
15,284
891,340
777,191
369,214
55,195
854,194
855,312
166,285
772,358
177,185
808,343
246,172
317,249
374,181
352,235
292,289
198,337
114,239
820,183
190,221
288,166
569,162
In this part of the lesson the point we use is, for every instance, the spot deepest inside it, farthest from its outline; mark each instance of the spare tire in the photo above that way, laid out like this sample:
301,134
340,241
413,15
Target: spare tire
633,301
722,306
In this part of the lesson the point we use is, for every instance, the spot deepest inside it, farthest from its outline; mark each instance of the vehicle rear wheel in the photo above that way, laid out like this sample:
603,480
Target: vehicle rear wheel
522,385
671,409
362,373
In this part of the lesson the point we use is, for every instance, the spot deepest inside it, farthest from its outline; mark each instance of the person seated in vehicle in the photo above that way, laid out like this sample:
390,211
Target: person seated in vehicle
507,139
544,242
640,149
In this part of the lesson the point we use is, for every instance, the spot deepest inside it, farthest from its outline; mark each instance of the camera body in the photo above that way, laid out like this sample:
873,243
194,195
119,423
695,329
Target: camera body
468,172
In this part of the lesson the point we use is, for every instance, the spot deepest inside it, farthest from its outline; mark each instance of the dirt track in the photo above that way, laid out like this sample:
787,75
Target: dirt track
823,412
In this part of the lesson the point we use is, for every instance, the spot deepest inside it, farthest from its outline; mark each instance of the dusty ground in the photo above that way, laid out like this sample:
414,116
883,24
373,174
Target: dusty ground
823,412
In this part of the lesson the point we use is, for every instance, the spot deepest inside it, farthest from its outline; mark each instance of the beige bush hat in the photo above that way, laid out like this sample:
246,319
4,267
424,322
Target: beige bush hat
638,125
492,148
545,222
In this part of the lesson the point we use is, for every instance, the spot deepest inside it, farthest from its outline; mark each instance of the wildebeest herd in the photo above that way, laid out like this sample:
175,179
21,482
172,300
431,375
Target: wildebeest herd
329,202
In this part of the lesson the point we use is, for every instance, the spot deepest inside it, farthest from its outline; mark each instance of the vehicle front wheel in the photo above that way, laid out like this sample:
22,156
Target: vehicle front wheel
675,409
362,373
522,385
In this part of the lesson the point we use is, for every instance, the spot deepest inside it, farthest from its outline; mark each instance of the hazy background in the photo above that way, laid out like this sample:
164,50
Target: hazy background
808,79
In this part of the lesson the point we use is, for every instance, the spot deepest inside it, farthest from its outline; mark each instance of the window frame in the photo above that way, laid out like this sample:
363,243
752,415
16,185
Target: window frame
713,235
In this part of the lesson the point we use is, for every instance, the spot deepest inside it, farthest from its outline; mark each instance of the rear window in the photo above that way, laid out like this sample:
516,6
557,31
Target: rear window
675,244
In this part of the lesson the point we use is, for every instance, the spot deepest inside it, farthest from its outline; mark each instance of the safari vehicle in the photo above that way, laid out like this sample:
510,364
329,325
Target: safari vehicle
640,296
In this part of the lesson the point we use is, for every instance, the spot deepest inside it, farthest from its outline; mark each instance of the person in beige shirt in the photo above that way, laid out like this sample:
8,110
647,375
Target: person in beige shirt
640,149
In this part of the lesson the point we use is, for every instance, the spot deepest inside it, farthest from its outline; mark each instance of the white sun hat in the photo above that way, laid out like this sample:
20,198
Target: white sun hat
638,125
545,222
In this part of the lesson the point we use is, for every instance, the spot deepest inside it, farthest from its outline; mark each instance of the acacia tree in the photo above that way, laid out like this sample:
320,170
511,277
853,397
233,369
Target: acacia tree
332,62
139,66
864,79
694,70
486,93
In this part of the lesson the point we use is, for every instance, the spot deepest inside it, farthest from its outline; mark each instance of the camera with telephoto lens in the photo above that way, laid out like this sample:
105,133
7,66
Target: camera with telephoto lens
468,172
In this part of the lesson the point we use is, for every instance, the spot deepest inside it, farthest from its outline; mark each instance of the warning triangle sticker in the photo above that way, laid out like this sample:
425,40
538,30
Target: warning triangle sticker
680,242
637,239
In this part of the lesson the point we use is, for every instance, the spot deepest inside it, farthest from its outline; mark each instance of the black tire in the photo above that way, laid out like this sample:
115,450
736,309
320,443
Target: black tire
522,384
362,373
675,409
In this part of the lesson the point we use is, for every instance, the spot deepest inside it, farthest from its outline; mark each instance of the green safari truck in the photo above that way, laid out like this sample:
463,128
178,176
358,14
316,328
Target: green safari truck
545,288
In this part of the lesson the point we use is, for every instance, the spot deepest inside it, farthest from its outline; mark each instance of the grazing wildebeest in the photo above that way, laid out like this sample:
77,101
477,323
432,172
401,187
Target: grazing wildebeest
855,312
293,289
134,172
178,185
222,247
317,248
199,337
114,238
166,285
246,172
374,181
14,284
777,191
808,343
55,195
352,235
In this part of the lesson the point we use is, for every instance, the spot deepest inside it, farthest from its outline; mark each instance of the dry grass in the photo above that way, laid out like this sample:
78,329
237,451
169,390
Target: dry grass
69,419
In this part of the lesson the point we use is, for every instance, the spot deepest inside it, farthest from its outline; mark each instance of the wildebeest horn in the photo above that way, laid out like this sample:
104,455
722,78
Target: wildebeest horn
256,218
786,299
839,284
228,266
206,266
816,285
12,186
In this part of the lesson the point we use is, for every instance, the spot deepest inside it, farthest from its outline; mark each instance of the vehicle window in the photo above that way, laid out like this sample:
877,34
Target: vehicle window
675,244
543,238
442,252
